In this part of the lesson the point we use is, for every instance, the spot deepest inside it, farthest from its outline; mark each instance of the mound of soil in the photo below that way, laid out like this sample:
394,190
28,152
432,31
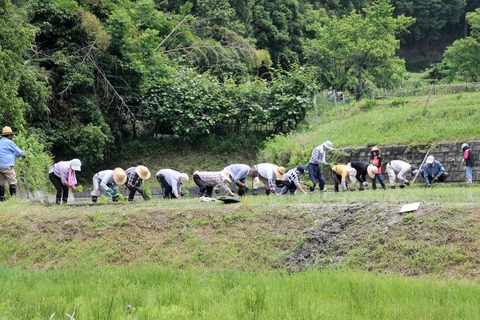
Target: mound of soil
437,239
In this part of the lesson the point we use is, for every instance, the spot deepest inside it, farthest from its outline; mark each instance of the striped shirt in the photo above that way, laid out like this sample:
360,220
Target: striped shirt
213,179
318,155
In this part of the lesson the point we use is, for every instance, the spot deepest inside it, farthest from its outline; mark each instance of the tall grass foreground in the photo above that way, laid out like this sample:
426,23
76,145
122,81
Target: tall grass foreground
149,292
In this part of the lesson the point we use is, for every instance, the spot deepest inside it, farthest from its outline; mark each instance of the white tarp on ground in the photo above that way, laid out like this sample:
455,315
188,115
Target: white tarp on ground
409,207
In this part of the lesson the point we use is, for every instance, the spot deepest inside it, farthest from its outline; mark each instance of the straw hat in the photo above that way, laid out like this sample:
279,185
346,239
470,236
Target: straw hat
372,170
7,131
226,175
280,172
119,176
183,179
143,172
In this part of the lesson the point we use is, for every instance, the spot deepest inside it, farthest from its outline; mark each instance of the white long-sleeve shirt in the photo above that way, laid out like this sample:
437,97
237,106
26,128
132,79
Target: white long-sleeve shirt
239,172
171,177
401,167
102,178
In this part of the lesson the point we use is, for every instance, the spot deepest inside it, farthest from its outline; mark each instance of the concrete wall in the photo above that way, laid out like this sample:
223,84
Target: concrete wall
449,154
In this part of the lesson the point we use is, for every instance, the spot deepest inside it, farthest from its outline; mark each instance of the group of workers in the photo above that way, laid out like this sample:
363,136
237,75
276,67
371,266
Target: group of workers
275,178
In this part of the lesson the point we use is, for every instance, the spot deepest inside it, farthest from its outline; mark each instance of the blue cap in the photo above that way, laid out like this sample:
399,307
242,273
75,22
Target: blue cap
301,169
414,170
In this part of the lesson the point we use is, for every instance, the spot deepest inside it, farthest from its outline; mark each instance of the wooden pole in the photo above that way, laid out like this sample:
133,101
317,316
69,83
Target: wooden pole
421,166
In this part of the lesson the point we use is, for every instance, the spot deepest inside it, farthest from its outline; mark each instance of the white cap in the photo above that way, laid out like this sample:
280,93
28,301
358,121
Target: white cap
328,145
183,179
75,164
430,159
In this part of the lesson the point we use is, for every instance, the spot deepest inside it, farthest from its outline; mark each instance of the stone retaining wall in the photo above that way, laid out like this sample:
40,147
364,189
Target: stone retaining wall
449,154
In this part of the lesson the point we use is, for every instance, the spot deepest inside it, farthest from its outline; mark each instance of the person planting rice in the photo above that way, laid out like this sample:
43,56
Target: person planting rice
108,180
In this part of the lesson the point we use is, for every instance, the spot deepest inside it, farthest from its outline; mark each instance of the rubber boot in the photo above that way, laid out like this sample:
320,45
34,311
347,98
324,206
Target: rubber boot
374,186
2,193
94,199
393,187
58,201
13,191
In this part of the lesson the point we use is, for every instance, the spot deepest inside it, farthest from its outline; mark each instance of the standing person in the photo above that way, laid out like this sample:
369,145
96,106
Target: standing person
108,180
363,169
292,180
171,182
135,177
403,168
206,180
339,175
377,162
238,174
318,158
271,175
433,170
9,152
62,175
469,162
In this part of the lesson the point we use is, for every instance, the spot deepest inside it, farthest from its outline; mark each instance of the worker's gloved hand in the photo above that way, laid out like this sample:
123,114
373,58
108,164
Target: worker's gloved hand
435,178
344,186
245,188
407,183
365,184
112,192
325,164
428,184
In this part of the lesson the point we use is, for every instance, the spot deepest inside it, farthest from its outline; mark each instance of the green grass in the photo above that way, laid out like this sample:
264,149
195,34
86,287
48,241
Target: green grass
151,292
452,117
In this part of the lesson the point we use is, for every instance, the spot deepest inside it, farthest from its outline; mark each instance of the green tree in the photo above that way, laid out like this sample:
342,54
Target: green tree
21,93
433,18
16,36
461,61
358,49
278,28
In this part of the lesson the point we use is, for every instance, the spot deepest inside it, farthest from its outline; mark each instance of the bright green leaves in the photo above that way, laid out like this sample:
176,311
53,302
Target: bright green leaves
358,49
461,61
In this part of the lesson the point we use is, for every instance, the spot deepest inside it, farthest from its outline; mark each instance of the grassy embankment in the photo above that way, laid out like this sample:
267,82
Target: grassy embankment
401,121
64,259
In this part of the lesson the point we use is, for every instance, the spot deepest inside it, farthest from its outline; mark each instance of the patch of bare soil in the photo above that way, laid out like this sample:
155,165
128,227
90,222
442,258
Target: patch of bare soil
437,239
